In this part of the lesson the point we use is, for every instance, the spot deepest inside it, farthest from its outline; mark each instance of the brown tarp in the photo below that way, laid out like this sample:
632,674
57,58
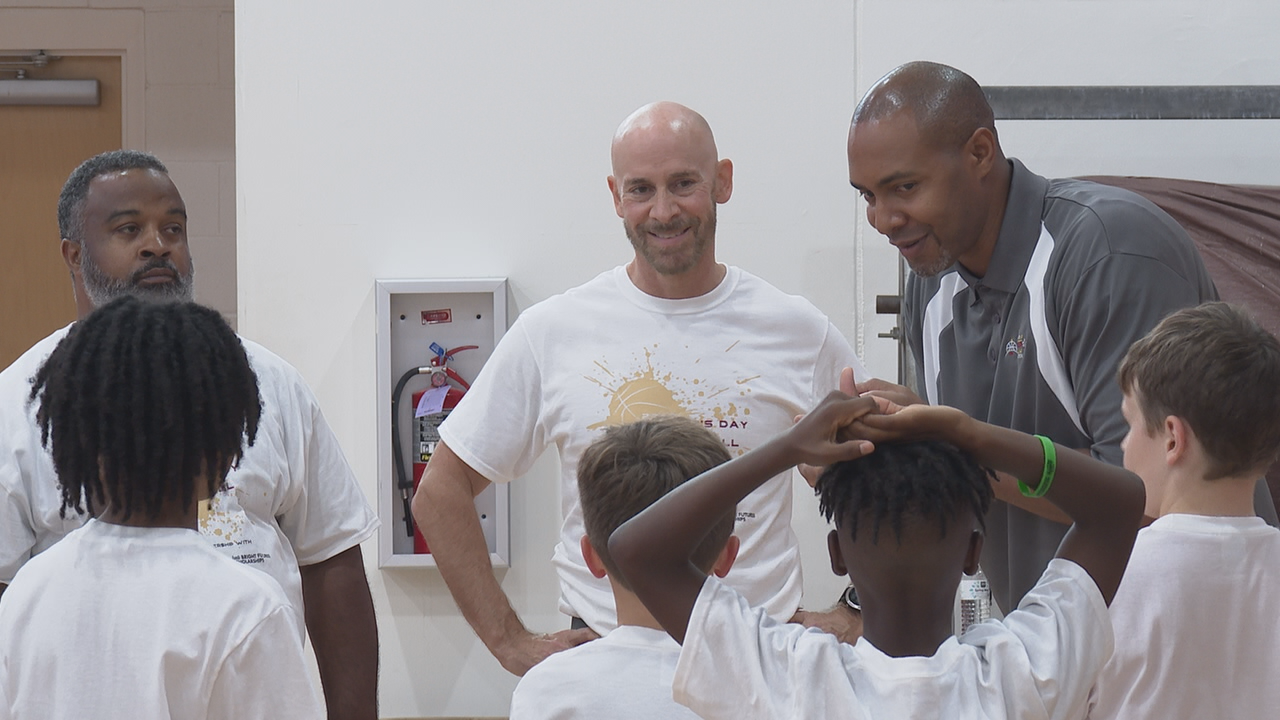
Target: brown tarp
1237,229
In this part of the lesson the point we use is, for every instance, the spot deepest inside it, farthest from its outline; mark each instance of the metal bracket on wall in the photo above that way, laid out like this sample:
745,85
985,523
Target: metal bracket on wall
1134,102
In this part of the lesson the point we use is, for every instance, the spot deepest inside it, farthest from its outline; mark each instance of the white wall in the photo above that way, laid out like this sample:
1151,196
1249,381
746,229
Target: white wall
179,74
431,139
403,139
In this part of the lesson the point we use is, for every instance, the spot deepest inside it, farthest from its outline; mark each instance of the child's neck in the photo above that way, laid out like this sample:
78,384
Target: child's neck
912,625
1187,492
170,516
630,610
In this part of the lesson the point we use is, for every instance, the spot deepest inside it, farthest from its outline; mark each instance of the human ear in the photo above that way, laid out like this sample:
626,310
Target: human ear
724,181
727,556
617,198
594,563
71,255
1177,436
974,552
981,150
837,555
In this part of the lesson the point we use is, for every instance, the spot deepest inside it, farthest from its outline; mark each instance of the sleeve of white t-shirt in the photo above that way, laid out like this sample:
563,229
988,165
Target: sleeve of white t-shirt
498,428
324,512
16,536
1063,631
737,663
266,675
834,356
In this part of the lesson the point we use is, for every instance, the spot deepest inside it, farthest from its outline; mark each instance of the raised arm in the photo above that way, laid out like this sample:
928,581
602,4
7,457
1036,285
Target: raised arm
653,549
444,508
1104,502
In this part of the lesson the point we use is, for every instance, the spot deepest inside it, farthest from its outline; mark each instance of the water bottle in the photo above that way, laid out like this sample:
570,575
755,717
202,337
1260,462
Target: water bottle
975,600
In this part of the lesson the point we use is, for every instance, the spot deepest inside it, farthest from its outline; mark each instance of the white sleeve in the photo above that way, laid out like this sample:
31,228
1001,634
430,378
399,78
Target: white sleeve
1066,633
326,512
17,530
833,357
16,536
737,663
498,428
266,675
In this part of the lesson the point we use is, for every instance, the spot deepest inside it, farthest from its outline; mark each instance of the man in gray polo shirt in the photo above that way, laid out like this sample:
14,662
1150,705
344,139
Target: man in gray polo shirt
1025,292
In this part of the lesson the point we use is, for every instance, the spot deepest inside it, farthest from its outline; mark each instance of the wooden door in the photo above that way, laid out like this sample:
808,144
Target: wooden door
39,147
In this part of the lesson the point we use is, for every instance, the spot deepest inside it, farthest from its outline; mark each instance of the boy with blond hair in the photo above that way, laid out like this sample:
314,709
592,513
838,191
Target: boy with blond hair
626,675
1195,616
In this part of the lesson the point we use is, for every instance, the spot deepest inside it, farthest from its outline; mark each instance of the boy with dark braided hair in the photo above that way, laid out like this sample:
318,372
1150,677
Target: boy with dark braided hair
145,407
909,513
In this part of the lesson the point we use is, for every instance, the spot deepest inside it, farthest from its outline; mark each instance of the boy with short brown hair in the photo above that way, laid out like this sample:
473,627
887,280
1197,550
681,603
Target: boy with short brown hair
626,675
1195,616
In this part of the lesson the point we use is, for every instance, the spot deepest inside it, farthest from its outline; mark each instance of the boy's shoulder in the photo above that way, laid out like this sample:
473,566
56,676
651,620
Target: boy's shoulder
619,675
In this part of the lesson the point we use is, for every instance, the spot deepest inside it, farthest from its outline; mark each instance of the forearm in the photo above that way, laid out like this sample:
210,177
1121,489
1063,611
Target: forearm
444,508
344,633
1088,491
1005,487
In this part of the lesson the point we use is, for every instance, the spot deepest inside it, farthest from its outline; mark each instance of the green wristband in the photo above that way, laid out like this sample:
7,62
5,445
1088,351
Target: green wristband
1046,476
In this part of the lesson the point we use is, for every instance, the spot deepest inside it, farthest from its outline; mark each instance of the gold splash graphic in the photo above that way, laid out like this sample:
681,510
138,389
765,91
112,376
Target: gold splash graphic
648,390
222,519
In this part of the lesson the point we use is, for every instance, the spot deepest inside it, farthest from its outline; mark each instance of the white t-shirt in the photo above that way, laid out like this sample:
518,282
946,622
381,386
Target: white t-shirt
1038,663
292,500
625,675
744,359
129,622
1196,624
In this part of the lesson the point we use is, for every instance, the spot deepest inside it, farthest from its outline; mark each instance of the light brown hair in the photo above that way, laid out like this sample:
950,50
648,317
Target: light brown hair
1216,368
630,466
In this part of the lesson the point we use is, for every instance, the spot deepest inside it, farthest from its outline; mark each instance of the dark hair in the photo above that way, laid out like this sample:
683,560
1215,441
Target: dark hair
1216,368
139,400
76,189
630,466
947,104
926,480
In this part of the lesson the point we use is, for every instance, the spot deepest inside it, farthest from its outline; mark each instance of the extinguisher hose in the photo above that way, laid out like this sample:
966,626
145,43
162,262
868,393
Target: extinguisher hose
403,481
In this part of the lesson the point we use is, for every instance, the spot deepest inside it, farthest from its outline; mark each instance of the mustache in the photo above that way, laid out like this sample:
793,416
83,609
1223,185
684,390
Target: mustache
670,228
155,263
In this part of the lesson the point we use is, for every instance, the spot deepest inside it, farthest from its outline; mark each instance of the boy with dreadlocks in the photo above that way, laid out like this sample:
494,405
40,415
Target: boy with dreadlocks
908,520
626,675
145,406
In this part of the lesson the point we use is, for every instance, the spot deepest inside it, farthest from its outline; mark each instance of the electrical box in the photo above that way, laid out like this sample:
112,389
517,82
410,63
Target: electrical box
433,338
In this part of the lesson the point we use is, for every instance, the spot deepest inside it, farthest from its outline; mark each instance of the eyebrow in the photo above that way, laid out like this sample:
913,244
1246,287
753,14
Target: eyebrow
892,178
123,213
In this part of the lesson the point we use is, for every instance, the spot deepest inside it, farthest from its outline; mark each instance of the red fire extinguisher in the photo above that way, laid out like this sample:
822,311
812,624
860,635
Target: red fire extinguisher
427,427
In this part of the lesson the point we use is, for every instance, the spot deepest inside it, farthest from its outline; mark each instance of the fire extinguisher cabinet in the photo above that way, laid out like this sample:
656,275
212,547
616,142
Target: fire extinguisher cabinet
433,337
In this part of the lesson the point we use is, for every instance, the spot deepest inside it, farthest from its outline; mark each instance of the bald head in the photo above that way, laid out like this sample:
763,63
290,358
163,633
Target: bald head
665,122
946,104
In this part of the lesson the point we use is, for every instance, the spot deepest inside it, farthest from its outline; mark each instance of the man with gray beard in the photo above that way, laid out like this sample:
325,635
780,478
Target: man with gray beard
671,332
291,508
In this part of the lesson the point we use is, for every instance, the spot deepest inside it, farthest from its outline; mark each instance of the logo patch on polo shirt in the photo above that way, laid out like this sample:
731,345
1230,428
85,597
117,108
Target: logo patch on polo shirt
1016,347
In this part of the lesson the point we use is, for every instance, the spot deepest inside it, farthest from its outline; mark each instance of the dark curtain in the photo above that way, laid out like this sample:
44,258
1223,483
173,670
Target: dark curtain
1237,229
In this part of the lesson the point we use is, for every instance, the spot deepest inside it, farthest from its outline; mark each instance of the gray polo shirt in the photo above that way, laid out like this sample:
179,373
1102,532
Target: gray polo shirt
1079,272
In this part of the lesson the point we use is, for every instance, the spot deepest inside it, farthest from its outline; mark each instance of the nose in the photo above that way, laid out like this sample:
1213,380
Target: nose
885,219
664,207
154,244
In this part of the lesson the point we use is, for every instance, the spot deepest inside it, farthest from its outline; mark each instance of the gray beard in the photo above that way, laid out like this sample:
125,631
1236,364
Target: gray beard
102,289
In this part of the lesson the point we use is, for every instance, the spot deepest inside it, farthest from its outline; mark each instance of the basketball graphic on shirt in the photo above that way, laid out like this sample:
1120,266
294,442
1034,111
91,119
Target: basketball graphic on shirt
640,398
